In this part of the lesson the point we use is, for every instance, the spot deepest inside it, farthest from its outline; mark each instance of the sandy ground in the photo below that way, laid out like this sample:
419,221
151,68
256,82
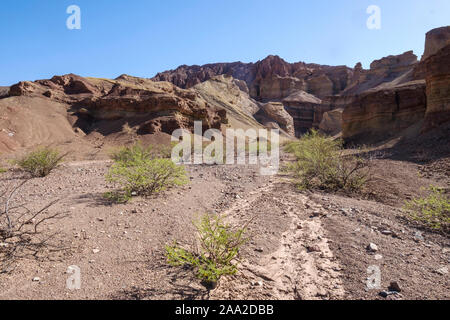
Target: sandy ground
304,245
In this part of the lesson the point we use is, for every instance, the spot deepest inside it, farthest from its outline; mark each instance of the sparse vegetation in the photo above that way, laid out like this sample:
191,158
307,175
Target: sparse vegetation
433,211
21,229
217,253
2,170
141,171
137,152
41,162
321,164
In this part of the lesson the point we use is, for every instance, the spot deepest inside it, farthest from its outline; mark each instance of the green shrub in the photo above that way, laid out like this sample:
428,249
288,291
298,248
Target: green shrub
320,164
219,248
432,211
117,196
136,173
40,162
2,170
138,152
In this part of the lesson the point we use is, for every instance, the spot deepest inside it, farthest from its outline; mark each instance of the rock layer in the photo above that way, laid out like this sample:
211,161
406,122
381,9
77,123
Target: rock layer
438,89
151,106
379,114
435,40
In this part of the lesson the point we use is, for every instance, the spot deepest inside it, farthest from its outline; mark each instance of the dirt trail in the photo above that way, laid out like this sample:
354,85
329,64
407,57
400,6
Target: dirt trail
301,265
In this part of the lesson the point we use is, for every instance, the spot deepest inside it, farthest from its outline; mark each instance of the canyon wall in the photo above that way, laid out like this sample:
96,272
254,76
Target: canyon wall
438,88
379,114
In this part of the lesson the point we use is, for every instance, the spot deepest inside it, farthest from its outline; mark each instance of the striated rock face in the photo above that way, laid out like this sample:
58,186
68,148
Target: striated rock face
151,106
306,91
268,79
392,95
379,114
435,40
332,122
232,96
276,111
306,110
388,71
438,89
189,76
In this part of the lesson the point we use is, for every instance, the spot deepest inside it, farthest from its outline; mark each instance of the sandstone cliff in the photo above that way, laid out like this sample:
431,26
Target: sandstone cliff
435,40
438,89
403,98
379,114
269,79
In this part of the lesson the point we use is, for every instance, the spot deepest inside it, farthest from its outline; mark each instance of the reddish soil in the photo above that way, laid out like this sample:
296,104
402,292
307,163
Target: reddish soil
304,245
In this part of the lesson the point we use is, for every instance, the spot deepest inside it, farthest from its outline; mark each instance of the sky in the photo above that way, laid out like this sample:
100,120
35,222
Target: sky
143,37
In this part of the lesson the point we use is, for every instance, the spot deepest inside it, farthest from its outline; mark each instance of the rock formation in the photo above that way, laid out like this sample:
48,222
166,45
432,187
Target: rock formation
368,105
306,91
277,112
268,79
393,95
435,40
306,111
332,122
151,106
438,88
381,113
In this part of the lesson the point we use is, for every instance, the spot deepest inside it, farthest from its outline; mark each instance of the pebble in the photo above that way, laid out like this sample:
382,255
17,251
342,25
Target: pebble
378,257
418,236
386,294
372,247
313,248
442,271
36,279
394,286
95,250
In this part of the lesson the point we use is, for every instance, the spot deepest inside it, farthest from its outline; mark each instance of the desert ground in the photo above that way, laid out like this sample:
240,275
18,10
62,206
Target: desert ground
304,245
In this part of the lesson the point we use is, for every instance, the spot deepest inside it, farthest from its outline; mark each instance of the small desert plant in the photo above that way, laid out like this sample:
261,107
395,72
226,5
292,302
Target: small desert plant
41,162
432,211
138,152
216,256
138,171
117,196
321,164
2,170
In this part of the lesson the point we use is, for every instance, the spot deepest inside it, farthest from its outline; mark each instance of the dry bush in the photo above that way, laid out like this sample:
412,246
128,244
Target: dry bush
321,163
433,211
41,162
23,231
142,171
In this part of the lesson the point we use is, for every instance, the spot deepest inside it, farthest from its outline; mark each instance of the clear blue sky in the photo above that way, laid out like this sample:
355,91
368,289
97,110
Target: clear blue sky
143,37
